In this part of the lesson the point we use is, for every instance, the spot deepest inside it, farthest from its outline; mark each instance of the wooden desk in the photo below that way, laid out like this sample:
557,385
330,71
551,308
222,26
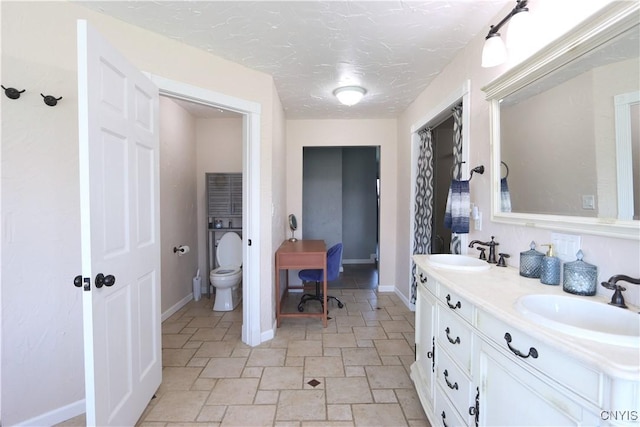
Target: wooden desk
299,255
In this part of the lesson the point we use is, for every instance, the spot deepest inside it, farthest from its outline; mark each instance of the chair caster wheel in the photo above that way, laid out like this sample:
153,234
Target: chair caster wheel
300,308
340,305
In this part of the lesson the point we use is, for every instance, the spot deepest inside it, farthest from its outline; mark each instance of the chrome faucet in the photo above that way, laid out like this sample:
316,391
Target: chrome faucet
492,249
617,299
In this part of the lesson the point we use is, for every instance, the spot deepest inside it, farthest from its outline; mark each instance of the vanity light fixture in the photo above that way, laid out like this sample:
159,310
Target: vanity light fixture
494,51
349,95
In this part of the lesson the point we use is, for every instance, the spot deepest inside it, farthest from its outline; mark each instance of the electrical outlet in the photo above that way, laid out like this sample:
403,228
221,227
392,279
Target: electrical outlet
566,246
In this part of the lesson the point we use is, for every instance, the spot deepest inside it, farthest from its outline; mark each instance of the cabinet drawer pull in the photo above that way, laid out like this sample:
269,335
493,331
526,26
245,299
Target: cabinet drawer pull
443,418
453,307
423,278
456,341
453,386
532,351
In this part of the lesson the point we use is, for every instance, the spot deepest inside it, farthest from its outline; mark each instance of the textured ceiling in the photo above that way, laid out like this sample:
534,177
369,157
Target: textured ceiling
392,48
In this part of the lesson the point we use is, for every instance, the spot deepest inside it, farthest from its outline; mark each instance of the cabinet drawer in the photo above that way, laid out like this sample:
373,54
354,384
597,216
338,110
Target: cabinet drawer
425,281
582,380
445,415
454,383
455,336
455,304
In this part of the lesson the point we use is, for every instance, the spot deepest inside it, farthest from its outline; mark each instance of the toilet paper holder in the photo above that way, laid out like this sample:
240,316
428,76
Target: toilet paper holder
181,250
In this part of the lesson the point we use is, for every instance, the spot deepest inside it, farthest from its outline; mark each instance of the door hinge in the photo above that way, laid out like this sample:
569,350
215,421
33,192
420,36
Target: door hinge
249,242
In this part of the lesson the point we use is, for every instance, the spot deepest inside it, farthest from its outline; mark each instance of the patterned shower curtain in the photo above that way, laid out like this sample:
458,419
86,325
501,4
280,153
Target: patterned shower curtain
457,165
423,214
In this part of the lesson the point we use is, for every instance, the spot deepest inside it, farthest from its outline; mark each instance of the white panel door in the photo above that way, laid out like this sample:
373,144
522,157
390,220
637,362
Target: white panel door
119,160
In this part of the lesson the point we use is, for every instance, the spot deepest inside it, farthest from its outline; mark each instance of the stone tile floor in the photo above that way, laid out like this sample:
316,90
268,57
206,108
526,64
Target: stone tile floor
355,372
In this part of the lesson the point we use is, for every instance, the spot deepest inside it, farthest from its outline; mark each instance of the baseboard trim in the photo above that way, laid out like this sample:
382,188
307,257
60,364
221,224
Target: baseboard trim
386,288
177,306
56,416
405,300
270,334
359,261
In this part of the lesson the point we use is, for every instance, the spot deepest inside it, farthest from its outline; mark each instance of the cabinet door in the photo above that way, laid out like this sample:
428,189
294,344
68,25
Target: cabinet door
425,344
218,194
236,193
510,394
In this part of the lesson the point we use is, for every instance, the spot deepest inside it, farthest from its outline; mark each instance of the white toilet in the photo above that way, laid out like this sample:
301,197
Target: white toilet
227,278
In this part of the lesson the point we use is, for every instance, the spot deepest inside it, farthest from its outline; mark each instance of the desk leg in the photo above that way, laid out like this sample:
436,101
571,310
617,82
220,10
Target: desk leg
277,295
324,297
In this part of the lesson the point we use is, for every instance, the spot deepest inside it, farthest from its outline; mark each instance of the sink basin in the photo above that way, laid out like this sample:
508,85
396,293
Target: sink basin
457,262
583,318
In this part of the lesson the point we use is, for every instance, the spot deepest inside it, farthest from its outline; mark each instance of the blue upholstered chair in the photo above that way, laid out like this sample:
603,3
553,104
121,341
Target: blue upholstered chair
334,256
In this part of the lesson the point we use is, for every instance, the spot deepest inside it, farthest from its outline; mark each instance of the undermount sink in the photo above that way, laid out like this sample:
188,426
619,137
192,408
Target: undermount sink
457,262
583,318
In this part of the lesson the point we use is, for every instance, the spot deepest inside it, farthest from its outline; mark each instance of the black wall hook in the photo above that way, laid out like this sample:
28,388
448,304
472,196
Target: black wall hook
11,92
51,101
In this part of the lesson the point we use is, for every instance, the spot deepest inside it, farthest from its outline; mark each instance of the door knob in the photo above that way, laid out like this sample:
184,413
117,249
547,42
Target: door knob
77,281
108,280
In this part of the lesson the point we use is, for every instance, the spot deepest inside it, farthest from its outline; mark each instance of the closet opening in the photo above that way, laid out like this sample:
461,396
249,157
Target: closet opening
341,203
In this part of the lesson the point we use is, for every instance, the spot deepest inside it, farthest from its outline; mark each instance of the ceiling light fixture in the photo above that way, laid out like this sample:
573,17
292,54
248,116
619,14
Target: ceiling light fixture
349,95
494,51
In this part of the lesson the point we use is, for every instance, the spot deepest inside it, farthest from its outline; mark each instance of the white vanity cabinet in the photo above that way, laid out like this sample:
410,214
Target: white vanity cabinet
475,366
424,367
444,346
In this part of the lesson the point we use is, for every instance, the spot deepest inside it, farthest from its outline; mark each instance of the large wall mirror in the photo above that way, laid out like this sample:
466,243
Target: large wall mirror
565,131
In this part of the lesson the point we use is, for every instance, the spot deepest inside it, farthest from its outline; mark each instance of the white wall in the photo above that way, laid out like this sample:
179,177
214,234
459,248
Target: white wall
177,202
336,133
41,310
42,359
552,18
279,212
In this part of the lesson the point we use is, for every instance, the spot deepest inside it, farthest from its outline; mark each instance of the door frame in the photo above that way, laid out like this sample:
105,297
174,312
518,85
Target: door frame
250,190
433,118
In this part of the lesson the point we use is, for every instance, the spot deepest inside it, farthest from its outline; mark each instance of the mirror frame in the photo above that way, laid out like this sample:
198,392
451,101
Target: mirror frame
293,222
601,27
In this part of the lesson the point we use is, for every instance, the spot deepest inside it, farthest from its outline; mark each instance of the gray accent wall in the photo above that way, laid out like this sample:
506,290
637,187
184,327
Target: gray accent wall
359,202
322,194
339,199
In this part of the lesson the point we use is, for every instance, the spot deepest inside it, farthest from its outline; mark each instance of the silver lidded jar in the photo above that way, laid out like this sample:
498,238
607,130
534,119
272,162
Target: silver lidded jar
531,262
579,277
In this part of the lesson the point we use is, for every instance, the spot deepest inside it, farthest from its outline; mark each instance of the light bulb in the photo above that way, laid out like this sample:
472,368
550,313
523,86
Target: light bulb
519,30
494,51
349,95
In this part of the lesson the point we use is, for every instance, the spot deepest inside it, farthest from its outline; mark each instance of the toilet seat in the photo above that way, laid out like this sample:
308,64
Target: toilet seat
225,271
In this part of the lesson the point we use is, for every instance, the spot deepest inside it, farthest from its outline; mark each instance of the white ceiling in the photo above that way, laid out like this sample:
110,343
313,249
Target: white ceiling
392,48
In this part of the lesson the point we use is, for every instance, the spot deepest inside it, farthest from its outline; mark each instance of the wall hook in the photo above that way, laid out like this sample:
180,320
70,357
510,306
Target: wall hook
11,92
51,101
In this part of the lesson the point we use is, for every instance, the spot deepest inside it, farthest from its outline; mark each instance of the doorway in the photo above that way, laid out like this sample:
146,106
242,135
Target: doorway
340,203
250,111
442,175
422,175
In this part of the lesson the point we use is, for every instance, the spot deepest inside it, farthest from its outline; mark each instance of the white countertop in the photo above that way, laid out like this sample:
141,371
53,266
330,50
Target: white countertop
496,291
